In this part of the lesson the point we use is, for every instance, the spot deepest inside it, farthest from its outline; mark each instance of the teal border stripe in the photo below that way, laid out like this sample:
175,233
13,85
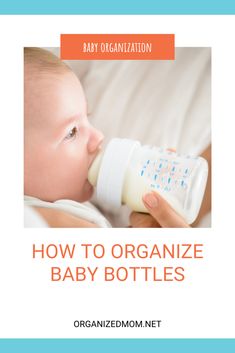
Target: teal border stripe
172,7
117,345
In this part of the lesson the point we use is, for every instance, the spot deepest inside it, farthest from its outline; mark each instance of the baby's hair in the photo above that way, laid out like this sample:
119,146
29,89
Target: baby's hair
40,61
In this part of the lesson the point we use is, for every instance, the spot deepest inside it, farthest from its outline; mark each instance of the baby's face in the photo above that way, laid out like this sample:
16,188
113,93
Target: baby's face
60,143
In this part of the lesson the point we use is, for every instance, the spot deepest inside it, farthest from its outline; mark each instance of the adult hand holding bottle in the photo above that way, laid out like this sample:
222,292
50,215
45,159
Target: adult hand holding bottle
161,214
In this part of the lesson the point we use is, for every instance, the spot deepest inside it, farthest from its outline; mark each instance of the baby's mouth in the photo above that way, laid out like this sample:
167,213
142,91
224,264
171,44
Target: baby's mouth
99,149
96,154
88,186
87,181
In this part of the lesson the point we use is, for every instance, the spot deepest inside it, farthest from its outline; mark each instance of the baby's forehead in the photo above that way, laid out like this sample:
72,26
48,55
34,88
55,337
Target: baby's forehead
51,97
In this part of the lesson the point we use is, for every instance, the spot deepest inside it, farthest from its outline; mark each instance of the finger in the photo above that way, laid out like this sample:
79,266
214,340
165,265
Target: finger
163,212
143,220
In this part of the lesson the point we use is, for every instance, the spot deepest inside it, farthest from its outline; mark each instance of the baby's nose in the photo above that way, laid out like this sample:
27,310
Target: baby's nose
96,138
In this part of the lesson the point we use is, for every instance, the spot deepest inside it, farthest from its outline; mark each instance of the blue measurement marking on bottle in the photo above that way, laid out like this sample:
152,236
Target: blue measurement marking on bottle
148,161
155,176
169,180
186,171
182,183
173,169
160,165
142,172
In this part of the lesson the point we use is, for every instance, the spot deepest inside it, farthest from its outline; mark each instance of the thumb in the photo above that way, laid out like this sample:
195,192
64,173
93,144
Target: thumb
162,212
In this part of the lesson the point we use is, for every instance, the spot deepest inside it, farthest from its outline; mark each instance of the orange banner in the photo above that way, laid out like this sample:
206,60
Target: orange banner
117,47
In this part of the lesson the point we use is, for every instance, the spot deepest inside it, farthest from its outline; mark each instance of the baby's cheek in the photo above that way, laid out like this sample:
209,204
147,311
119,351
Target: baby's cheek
74,172
61,173
36,167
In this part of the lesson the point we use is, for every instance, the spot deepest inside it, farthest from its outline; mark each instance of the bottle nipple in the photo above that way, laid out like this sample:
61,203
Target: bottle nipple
94,169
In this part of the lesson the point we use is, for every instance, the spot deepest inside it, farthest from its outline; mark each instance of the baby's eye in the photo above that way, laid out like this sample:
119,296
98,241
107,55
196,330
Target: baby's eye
72,133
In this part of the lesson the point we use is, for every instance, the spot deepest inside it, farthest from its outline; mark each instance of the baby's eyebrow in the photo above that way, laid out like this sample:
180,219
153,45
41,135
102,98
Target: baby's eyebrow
69,121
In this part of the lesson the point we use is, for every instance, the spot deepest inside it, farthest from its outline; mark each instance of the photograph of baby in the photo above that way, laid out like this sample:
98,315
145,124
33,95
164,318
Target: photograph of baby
117,143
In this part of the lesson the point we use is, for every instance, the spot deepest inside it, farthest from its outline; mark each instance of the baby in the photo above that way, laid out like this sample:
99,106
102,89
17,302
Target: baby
60,145
59,142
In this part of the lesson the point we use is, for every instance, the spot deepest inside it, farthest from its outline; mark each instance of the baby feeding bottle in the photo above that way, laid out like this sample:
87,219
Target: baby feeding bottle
126,171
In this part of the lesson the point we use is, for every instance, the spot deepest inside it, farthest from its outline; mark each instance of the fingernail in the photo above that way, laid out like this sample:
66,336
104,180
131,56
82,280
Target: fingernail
151,200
